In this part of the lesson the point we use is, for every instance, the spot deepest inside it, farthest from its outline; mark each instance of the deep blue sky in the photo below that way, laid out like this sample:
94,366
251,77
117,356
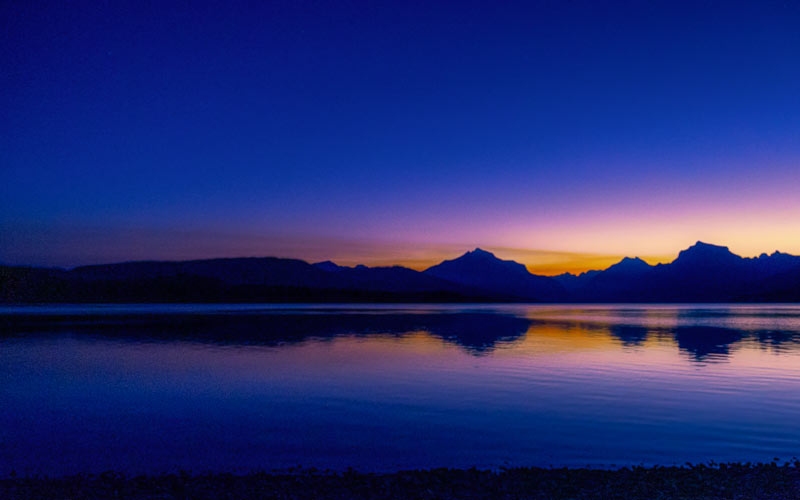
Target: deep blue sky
186,129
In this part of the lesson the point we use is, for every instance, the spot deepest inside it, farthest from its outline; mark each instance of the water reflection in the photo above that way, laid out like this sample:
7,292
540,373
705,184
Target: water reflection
705,334
704,342
630,335
154,388
476,332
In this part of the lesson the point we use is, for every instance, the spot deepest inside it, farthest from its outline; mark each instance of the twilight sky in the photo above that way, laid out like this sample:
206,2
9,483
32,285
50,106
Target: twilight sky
561,134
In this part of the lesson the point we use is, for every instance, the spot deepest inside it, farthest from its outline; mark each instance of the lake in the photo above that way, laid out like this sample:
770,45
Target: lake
154,388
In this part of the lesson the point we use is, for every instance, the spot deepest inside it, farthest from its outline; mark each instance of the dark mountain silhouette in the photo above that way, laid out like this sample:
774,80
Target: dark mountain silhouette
701,273
711,273
266,279
270,271
776,263
704,254
482,270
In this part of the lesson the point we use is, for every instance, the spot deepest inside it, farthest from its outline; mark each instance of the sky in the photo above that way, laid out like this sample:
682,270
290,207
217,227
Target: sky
564,135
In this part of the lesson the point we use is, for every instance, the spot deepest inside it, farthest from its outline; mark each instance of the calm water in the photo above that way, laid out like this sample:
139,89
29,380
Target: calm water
233,388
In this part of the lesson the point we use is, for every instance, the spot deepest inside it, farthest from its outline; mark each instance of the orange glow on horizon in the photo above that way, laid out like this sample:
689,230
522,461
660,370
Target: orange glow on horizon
548,248
541,262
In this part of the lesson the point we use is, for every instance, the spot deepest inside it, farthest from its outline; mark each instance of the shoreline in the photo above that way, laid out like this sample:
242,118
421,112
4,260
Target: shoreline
728,481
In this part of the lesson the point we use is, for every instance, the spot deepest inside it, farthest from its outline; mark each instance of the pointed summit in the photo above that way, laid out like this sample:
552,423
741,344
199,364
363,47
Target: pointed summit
479,250
480,253
629,265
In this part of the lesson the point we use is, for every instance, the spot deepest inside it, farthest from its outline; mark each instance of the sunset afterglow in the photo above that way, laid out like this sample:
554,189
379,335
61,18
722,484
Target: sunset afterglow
563,148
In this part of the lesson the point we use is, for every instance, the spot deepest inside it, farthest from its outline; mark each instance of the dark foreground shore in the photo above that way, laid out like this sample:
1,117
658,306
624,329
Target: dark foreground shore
726,481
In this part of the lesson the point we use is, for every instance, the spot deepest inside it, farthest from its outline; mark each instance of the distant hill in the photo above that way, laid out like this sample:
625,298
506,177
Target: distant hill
701,273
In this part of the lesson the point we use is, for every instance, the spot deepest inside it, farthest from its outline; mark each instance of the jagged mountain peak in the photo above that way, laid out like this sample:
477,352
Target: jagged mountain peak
776,254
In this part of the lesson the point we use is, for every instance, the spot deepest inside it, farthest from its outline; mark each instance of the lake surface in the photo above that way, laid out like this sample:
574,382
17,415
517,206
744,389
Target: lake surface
242,387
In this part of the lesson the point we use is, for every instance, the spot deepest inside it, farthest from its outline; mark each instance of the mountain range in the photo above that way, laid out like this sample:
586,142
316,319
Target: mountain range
701,273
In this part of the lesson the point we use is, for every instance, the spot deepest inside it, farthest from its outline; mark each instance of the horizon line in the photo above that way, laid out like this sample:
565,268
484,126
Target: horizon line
532,268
